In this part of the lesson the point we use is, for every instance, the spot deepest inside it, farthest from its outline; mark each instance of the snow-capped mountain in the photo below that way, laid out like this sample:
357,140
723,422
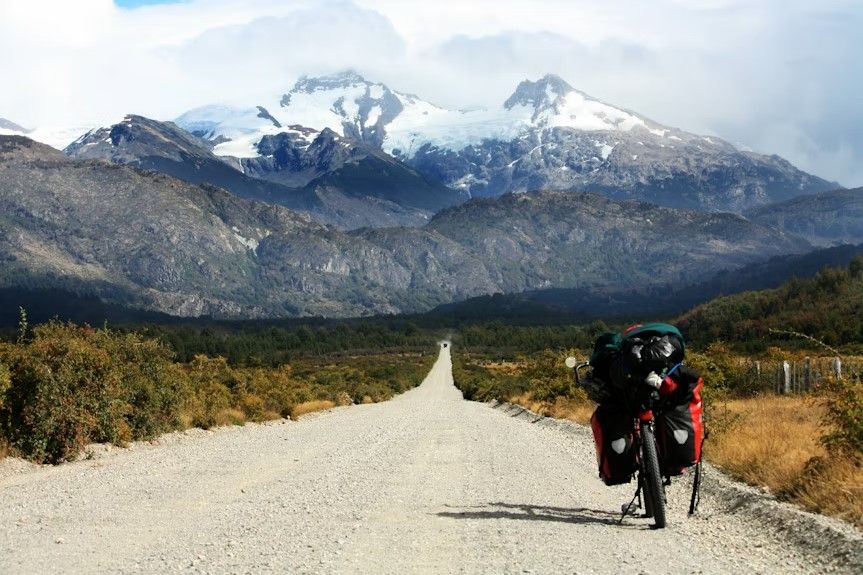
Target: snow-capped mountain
334,179
58,137
546,135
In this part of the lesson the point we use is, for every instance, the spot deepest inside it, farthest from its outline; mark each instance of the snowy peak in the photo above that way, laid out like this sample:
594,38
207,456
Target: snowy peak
136,138
215,121
552,103
346,103
542,94
339,81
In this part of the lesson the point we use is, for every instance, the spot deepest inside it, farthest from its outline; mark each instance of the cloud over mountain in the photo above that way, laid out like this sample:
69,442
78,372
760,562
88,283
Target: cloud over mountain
779,76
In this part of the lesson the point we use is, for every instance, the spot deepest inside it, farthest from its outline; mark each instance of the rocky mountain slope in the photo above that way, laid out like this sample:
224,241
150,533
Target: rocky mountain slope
546,135
334,180
580,304
159,243
826,219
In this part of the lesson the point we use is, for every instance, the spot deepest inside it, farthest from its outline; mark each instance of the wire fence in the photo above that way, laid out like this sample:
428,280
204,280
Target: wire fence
802,376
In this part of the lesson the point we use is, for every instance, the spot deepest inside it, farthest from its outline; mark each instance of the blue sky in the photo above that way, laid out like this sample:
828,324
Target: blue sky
777,76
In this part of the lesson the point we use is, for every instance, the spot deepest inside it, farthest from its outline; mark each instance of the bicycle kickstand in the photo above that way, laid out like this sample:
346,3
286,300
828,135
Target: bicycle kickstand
628,508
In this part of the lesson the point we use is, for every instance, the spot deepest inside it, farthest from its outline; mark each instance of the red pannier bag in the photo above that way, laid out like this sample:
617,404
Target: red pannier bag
615,451
680,423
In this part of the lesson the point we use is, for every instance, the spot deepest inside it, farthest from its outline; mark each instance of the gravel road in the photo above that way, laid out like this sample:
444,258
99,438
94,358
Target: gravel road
425,483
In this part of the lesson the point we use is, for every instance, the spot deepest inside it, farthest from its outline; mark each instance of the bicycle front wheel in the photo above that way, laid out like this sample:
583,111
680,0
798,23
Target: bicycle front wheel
653,489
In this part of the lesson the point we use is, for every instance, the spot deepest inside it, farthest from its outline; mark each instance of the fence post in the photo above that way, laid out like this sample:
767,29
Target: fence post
758,368
837,367
807,374
786,378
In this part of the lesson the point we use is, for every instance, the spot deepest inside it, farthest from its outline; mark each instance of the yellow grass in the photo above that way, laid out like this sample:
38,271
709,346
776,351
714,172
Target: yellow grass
230,417
311,406
561,408
774,442
504,367
269,415
769,441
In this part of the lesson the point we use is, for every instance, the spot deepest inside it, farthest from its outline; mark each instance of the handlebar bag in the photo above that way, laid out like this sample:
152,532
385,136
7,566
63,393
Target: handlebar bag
615,450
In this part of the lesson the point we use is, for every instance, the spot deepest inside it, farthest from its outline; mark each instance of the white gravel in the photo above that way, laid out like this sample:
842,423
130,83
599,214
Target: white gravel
426,483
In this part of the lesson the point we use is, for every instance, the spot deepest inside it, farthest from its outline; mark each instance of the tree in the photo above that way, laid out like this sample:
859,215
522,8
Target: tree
855,268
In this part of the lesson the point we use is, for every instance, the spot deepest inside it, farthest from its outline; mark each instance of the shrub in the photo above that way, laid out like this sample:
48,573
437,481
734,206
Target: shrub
211,381
155,388
65,391
63,386
5,382
844,402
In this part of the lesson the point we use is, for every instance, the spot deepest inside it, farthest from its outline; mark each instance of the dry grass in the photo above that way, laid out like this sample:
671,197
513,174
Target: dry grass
230,417
504,367
765,440
561,408
774,442
768,441
310,407
269,415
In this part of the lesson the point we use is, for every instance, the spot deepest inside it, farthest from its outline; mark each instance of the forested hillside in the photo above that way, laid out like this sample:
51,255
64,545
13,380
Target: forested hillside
828,307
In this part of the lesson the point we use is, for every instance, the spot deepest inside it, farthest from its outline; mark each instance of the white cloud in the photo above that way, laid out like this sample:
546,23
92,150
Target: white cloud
780,76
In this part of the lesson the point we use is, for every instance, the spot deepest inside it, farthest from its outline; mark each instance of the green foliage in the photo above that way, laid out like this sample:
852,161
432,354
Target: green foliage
68,386
541,374
5,382
844,402
499,338
827,307
23,326
547,376
478,383
855,268
276,343
65,391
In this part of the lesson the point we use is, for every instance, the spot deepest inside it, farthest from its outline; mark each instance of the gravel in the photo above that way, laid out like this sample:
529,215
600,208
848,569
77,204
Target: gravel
425,483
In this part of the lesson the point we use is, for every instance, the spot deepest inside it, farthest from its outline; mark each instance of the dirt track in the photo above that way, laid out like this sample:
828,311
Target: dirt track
425,483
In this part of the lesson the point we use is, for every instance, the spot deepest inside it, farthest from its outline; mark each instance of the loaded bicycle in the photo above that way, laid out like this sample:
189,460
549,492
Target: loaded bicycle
648,424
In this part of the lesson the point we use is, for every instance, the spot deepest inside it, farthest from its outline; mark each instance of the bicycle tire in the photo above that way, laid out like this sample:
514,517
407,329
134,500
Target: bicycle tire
652,477
648,502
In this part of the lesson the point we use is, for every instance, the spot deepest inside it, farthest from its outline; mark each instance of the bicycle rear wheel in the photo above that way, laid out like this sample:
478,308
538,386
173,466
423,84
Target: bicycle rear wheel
654,498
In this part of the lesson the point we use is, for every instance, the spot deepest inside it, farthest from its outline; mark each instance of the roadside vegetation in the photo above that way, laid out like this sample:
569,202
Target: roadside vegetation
805,448
63,386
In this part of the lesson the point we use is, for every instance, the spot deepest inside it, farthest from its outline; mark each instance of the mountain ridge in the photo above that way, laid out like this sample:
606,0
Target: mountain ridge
162,244
343,185
827,218
546,135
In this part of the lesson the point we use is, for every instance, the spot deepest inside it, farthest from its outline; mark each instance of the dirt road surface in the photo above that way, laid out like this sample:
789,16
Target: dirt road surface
425,483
